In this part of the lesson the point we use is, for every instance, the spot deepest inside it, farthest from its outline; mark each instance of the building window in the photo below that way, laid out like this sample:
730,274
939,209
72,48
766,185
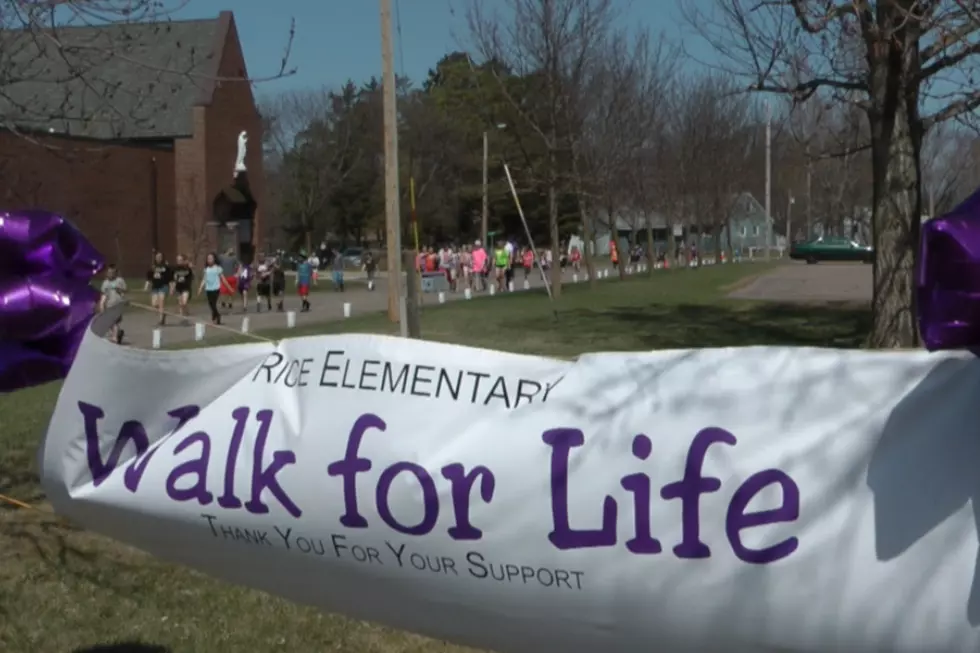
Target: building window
743,230
755,230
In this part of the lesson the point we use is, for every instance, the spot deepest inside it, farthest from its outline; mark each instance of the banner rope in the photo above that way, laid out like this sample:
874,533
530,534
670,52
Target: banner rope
220,327
17,503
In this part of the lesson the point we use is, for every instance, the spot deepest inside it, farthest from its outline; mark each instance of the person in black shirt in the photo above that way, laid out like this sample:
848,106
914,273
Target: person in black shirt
159,281
263,286
278,283
183,277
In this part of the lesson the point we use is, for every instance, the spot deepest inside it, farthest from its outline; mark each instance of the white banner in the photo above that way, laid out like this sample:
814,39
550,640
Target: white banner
727,499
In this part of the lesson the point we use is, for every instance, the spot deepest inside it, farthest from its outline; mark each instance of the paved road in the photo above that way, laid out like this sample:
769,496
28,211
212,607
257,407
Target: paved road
326,306
824,282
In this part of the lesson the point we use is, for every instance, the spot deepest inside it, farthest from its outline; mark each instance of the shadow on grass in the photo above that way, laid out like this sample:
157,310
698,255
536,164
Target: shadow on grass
736,324
62,547
19,481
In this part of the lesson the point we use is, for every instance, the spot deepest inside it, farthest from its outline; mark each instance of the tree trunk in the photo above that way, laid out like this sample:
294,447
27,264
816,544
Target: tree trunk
588,235
650,257
555,246
588,239
620,266
896,139
728,237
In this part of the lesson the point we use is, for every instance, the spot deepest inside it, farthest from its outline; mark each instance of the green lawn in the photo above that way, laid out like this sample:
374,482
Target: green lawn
62,589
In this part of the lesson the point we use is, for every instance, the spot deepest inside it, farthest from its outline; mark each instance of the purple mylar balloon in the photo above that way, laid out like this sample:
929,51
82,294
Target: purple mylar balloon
46,297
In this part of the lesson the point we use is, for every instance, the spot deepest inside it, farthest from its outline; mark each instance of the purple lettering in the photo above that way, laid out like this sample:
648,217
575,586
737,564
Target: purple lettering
430,499
350,466
267,478
196,468
643,541
462,488
563,537
131,431
134,473
691,487
229,500
737,519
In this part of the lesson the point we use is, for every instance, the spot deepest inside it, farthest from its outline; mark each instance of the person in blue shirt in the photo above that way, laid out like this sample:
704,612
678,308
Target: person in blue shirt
211,284
304,277
338,271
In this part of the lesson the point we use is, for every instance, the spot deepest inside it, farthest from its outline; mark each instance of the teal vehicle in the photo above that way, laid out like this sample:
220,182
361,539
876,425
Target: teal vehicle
831,249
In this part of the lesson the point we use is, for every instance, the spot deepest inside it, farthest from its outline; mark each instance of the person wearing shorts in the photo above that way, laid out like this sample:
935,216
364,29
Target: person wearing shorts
159,281
279,285
481,263
465,266
370,269
244,284
263,287
445,264
501,262
527,261
183,277
304,276
228,286
511,263
113,294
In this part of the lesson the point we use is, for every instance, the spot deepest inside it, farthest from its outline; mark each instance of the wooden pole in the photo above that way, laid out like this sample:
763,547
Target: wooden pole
413,295
392,195
768,180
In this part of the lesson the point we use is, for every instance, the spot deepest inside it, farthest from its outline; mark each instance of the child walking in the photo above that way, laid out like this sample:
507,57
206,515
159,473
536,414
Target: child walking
113,294
304,276
211,284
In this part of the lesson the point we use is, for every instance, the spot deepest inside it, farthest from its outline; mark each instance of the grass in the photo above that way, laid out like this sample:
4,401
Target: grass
63,589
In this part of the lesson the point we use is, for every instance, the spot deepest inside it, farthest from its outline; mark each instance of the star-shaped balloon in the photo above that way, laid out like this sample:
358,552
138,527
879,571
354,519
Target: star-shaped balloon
46,296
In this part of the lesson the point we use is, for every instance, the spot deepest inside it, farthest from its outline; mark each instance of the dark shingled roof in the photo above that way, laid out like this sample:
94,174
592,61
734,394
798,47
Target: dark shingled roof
120,81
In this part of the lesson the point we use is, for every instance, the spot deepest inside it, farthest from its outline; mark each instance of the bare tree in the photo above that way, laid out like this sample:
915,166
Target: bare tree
316,143
552,42
949,167
193,234
907,64
616,135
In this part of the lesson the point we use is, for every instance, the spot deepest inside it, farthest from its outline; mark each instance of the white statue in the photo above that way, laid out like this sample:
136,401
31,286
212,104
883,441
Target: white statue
242,144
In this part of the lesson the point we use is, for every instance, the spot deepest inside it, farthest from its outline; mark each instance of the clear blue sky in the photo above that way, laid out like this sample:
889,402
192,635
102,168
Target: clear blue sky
340,39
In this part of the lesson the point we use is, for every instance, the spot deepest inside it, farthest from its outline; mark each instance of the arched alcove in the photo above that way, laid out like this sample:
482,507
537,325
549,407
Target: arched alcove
233,212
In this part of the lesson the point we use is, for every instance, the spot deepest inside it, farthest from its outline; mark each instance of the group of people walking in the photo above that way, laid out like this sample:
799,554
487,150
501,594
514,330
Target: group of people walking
474,267
224,281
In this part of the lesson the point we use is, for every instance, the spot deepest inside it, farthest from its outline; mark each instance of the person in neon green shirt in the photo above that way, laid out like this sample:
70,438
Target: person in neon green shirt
501,262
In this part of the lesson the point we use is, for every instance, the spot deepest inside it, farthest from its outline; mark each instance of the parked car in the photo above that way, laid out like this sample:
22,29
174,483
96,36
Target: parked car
831,249
352,256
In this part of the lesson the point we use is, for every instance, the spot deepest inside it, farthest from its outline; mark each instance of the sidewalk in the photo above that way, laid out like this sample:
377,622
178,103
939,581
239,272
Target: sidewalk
326,306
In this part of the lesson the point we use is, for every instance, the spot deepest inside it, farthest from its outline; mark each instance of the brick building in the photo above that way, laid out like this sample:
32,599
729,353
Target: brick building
131,131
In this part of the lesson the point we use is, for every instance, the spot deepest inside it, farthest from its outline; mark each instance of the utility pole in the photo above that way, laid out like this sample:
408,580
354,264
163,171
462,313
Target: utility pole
768,180
393,221
486,200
